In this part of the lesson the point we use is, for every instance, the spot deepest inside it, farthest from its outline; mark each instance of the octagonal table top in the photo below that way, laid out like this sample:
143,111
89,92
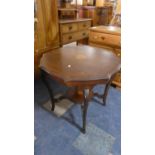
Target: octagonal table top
80,63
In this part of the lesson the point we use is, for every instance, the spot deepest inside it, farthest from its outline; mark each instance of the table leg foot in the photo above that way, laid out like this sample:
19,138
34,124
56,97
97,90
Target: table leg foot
53,107
106,93
84,115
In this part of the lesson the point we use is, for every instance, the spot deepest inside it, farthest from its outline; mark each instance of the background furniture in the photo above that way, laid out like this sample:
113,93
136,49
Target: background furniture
107,37
73,30
118,7
46,28
116,20
66,3
66,10
67,13
100,3
81,67
100,16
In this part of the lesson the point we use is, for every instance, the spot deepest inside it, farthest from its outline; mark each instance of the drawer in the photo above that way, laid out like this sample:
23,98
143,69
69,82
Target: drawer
105,39
67,28
66,38
84,25
83,34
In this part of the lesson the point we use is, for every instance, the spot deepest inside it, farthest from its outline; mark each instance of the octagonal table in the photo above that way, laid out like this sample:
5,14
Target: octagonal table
81,67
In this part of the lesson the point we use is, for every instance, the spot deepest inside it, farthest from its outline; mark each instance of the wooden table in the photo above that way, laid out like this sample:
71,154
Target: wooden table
81,67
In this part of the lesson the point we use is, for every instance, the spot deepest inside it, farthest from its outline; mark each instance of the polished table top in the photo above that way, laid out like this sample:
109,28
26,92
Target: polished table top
80,63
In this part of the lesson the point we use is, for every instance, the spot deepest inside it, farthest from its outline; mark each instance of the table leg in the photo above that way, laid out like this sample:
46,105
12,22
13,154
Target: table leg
43,77
107,89
84,107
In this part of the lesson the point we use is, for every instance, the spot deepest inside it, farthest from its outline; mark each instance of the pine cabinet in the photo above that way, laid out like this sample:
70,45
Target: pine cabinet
46,28
47,25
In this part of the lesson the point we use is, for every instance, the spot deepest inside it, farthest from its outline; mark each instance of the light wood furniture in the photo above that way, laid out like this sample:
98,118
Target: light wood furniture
46,28
84,2
66,10
116,20
81,67
99,15
100,3
73,30
91,2
118,7
107,37
66,3
67,13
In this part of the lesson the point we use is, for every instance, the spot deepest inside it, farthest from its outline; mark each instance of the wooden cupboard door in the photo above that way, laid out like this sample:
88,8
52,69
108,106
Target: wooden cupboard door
51,22
47,26
40,32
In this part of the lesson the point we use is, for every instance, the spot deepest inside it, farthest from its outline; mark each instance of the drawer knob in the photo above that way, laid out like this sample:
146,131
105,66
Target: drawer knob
102,38
83,34
70,27
84,25
70,37
95,37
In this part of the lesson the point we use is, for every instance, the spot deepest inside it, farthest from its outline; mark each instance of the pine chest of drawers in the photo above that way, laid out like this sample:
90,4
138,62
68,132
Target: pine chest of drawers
73,30
108,37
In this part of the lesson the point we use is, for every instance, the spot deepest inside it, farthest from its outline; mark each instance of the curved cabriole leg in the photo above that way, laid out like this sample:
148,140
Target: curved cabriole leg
107,89
84,108
43,77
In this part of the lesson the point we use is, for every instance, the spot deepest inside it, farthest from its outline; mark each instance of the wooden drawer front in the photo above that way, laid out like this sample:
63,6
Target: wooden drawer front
66,38
105,39
84,25
66,28
83,34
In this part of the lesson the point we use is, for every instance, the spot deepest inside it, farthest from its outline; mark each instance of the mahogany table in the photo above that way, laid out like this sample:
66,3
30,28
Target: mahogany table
81,67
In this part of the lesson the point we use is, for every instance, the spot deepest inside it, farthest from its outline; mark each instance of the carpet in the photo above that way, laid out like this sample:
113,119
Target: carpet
95,142
58,133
